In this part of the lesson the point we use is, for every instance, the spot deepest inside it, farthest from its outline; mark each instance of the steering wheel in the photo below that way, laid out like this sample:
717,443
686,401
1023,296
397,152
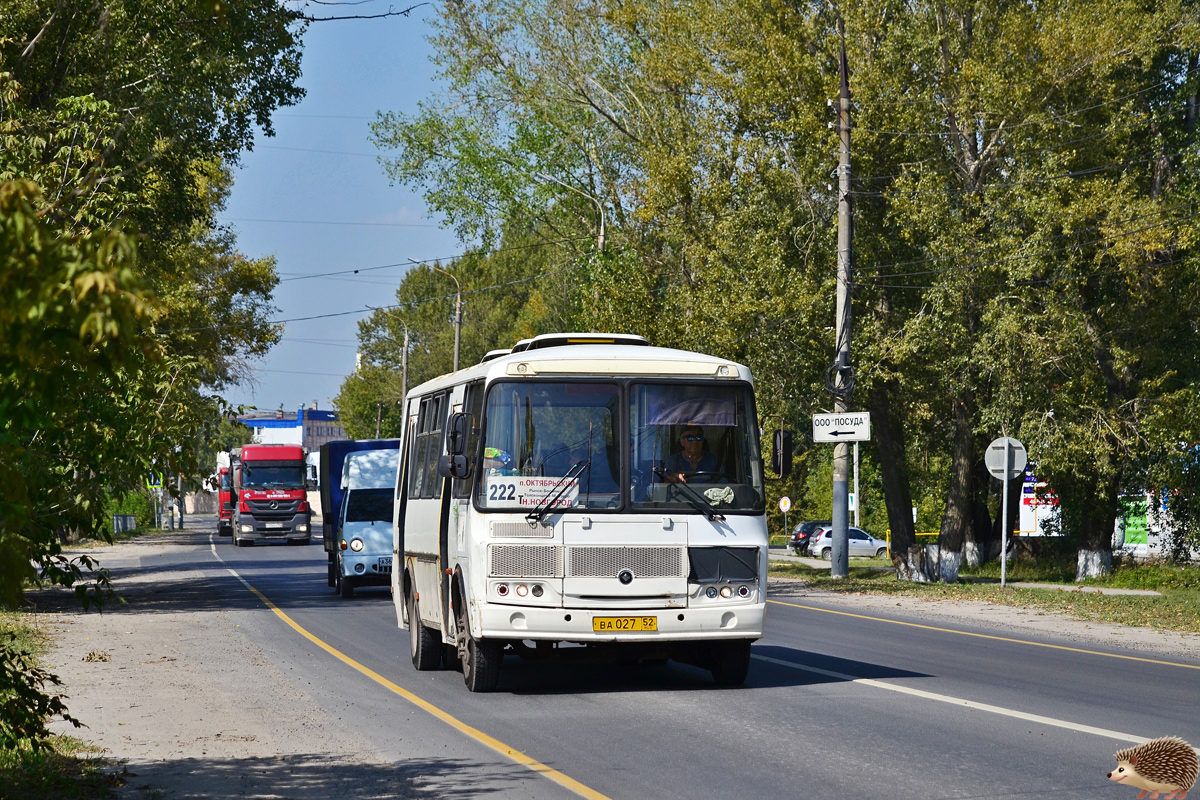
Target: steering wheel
704,476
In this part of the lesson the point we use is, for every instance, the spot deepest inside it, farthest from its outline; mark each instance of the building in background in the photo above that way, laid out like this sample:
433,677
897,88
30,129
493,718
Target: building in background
310,427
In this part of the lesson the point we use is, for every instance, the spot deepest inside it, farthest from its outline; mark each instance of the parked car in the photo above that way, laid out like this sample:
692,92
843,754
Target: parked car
803,532
861,544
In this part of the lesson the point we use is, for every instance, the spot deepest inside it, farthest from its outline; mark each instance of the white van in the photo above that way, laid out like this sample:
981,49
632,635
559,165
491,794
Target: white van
364,546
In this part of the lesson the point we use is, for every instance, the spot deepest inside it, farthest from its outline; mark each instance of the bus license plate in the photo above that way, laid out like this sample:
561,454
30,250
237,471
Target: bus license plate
274,525
385,561
624,623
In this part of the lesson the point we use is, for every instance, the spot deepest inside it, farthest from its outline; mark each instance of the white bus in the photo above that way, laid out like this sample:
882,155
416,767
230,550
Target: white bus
582,489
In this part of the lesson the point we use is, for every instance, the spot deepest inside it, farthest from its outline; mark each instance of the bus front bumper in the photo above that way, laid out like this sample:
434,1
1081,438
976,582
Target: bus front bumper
576,625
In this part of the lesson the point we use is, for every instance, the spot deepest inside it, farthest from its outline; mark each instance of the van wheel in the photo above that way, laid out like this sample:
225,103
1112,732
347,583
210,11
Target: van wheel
425,650
332,572
481,667
731,663
345,588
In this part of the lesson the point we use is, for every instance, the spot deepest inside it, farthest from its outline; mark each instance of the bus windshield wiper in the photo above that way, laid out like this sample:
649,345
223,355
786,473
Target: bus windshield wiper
694,498
556,493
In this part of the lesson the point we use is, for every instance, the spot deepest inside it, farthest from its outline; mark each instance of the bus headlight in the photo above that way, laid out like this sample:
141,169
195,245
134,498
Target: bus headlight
537,590
522,590
726,591
710,592
247,529
302,528
356,545
743,591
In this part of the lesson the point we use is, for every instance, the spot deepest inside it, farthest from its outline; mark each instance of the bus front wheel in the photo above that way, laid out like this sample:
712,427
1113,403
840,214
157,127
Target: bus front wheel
731,662
481,667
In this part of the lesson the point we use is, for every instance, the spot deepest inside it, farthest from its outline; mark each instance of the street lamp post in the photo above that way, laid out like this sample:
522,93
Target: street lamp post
457,312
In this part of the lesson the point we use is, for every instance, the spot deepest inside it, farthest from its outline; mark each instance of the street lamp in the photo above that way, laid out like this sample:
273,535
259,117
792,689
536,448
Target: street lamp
403,355
580,192
457,308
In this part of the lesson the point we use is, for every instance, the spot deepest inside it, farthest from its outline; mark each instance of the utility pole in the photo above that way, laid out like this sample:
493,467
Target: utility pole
457,312
843,381
378,418
404,369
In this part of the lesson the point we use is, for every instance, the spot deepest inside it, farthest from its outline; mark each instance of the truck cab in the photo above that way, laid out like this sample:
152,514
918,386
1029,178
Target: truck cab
363,534
270,495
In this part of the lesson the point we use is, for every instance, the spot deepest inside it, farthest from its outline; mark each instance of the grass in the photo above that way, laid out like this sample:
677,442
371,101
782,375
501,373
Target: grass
1177,609
69,769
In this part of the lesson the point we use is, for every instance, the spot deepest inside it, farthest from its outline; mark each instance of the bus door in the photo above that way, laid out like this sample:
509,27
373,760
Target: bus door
423,510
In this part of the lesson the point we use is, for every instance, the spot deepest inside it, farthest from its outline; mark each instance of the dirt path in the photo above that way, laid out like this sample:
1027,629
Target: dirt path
160,683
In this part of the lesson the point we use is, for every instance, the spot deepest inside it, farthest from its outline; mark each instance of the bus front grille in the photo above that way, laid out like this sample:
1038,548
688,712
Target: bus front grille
522,530
608,562
524,561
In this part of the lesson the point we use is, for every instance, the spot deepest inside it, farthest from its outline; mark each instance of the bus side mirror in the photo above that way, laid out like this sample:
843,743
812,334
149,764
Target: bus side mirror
454,466
781,453
456,440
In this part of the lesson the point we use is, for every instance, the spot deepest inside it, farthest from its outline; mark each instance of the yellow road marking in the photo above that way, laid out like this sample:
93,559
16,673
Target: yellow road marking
500,747
987,636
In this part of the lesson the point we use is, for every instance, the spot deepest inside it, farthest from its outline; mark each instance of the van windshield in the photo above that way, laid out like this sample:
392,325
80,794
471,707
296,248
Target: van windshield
369,505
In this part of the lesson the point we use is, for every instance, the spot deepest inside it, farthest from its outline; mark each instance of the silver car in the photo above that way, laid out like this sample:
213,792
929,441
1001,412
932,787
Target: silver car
862,544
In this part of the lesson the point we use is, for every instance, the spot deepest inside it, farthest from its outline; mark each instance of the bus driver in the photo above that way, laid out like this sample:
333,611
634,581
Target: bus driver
694,459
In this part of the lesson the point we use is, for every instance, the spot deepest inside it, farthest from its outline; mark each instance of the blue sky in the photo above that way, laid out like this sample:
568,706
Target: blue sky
316,198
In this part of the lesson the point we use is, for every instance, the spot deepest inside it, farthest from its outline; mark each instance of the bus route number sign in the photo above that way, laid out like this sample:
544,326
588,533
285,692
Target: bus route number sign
529,491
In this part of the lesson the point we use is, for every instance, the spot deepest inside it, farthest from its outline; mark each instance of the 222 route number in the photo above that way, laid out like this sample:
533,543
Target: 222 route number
624,623
500,491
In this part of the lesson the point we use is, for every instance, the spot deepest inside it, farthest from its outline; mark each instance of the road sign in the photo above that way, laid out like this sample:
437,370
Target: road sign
785,504
997,451
852,426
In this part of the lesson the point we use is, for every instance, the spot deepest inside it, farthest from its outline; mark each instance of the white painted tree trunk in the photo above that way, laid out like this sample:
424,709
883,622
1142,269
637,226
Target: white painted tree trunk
948,565
915,565
1093,564
972,554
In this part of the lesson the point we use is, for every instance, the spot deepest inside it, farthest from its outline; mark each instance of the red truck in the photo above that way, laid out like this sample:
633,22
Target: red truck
225,507
269,495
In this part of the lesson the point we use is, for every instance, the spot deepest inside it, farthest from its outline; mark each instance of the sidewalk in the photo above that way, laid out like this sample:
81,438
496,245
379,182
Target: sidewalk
784,554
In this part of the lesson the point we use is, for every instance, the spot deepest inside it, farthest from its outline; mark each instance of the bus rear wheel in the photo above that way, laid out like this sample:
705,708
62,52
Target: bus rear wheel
426,651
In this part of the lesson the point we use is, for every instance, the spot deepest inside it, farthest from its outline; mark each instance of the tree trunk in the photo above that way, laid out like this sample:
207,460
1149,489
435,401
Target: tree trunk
957,519
909,560
978,546
1097,516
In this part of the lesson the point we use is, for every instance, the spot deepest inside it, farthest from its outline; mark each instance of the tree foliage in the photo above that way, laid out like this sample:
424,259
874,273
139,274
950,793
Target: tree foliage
1023,192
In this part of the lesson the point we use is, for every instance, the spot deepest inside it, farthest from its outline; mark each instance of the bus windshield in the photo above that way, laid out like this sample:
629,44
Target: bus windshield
688,440
550,440
556,445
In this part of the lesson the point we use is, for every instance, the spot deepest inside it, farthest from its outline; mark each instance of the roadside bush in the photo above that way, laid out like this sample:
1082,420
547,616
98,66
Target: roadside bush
25,706
136,503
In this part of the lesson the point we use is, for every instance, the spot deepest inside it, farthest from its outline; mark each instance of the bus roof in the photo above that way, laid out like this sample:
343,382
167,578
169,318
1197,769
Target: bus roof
593,360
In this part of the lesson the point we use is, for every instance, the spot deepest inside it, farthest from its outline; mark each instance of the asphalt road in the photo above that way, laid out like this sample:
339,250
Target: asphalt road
837,704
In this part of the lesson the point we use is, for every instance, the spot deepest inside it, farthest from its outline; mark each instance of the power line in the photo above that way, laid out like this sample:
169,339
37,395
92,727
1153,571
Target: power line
331,222
986,250
1019,257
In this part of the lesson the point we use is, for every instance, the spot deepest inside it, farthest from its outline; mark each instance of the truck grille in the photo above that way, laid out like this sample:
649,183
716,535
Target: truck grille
608,562
524,561
284,509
